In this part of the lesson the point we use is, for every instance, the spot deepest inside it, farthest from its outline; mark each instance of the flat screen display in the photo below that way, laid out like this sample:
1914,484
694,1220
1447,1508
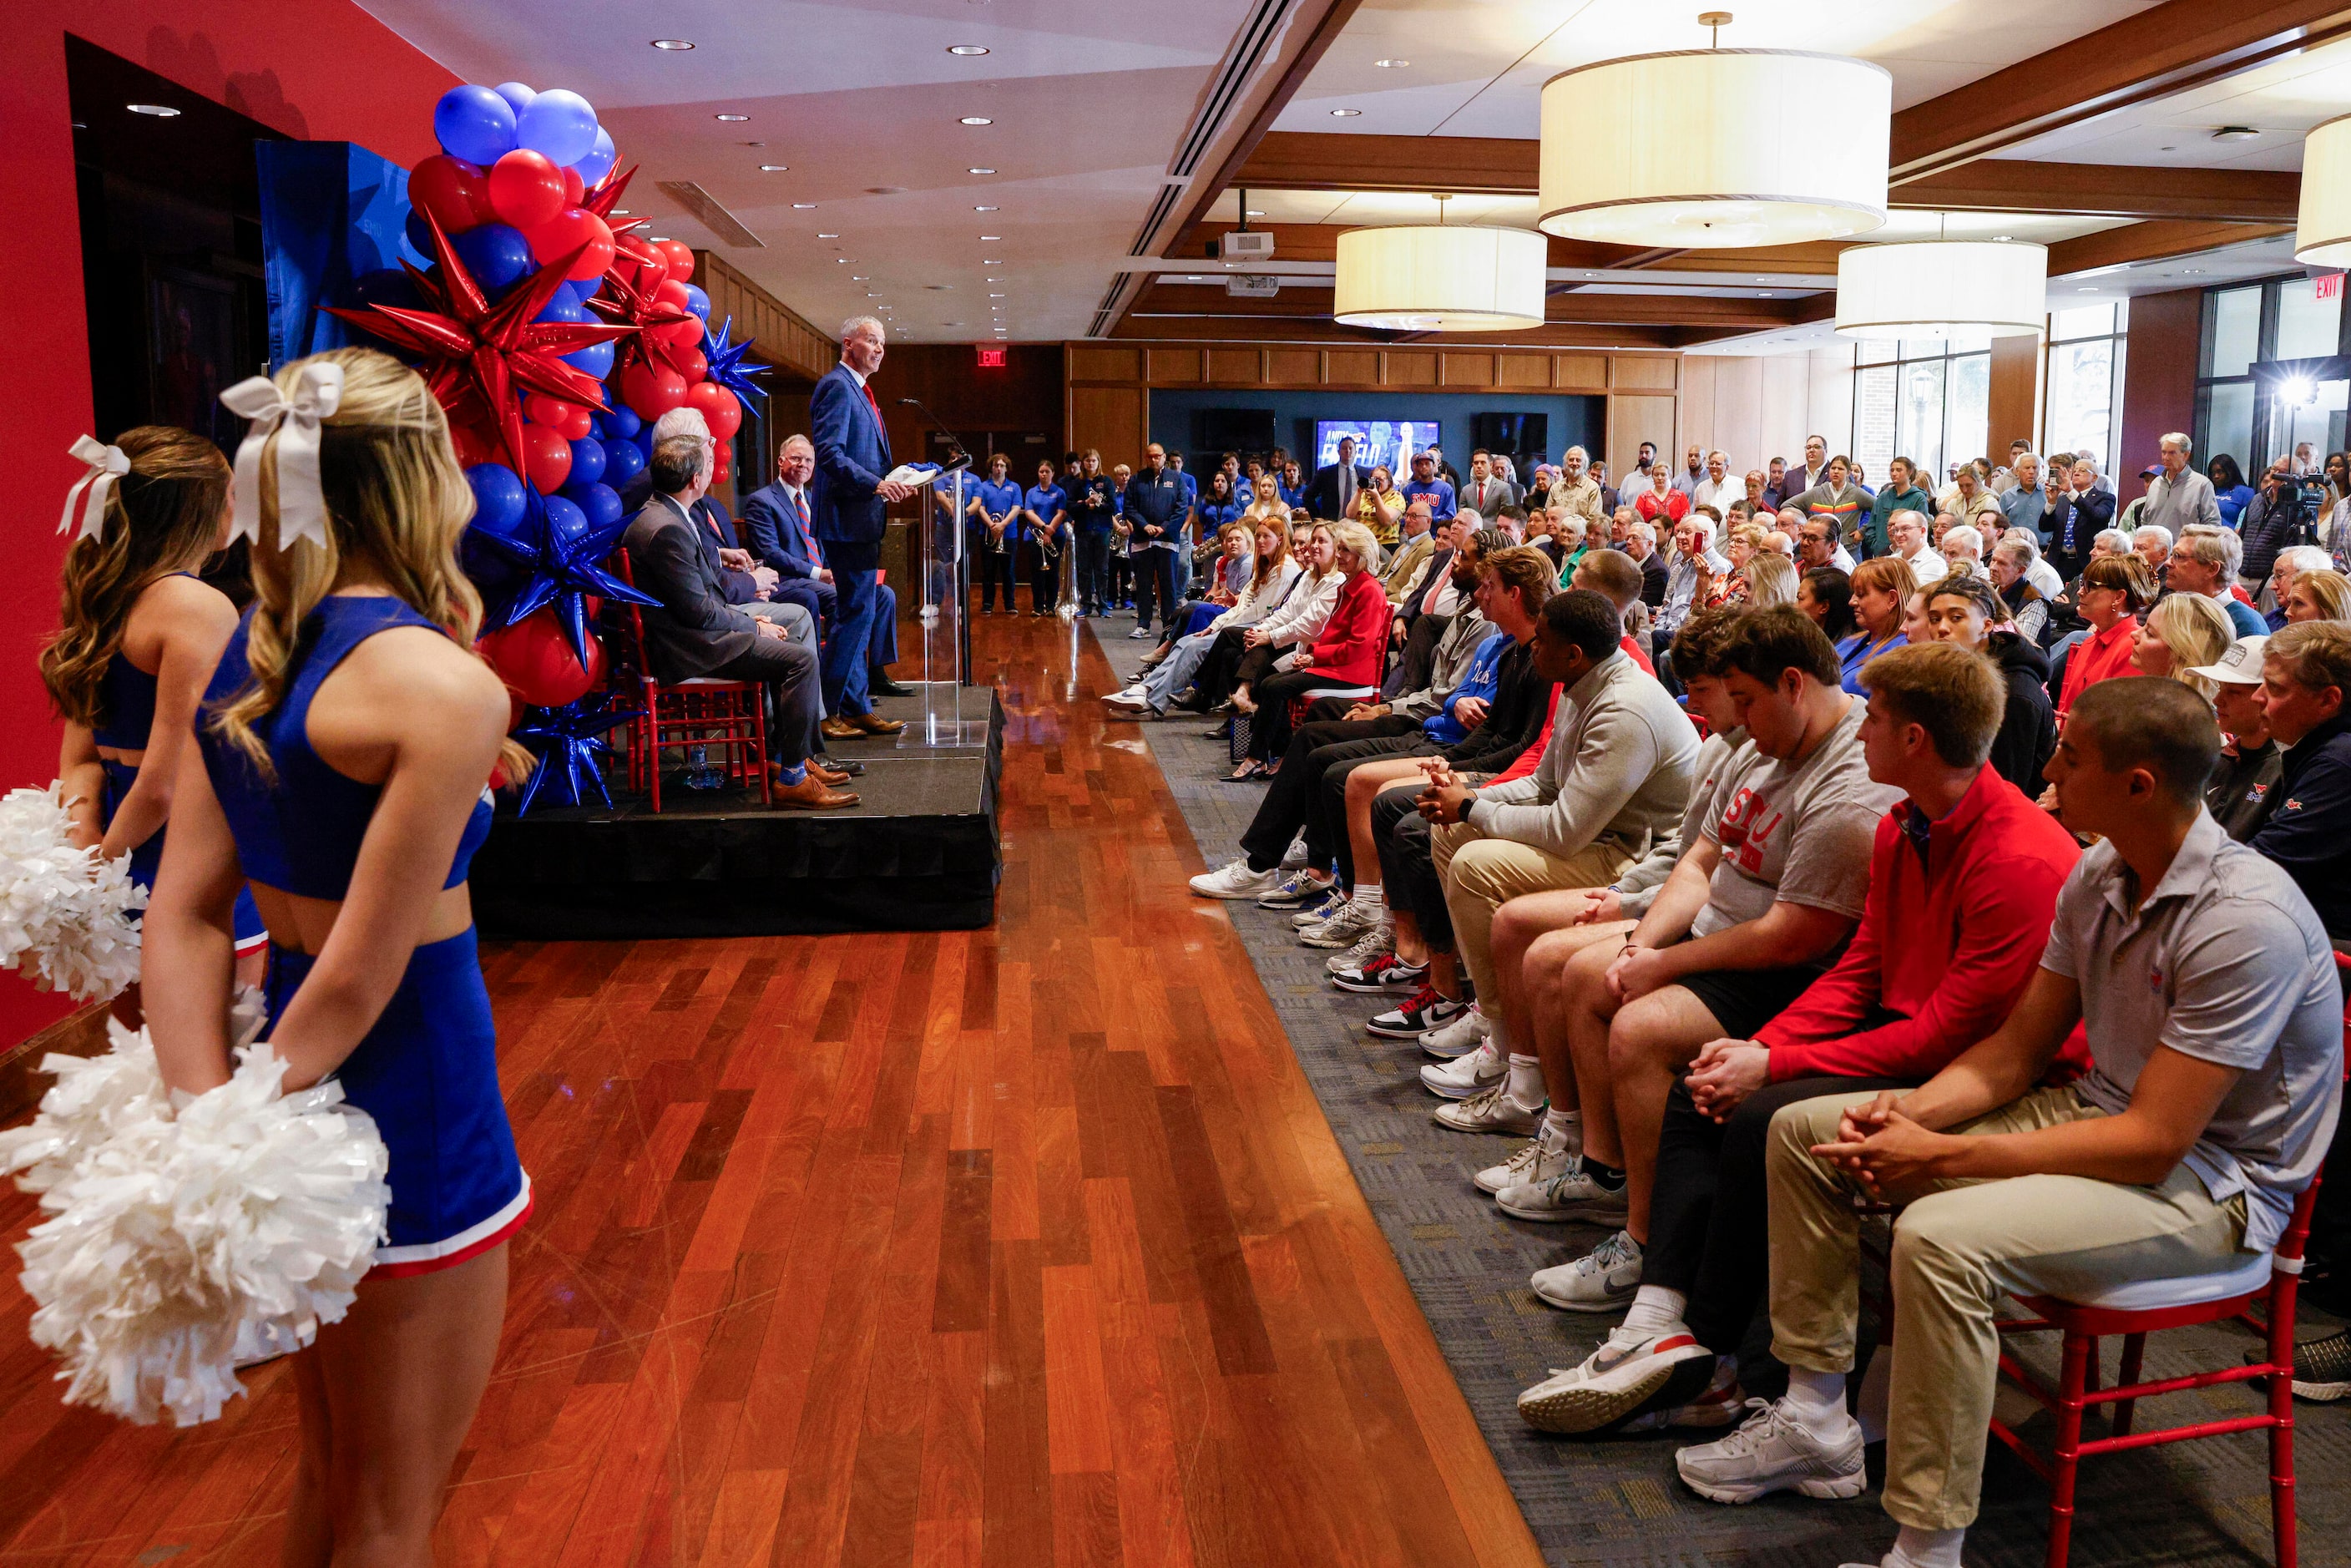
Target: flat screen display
1379,443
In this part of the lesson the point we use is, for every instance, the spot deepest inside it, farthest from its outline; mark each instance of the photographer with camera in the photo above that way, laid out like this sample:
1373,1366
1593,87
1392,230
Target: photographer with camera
2283,514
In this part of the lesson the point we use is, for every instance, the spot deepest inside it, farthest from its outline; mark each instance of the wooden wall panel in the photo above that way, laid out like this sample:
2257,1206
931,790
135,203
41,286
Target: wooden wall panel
1352,367
1116,420
1629,372
1466,370
1697,414
1579,373
1787,406
1293,367
1636,417
2159,376
1230,367
1410,368
1174,367
1828,397
1105,363
1522,371
2015,392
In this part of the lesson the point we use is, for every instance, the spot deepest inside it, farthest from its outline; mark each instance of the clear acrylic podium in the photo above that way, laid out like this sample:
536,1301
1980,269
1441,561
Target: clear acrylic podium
955,713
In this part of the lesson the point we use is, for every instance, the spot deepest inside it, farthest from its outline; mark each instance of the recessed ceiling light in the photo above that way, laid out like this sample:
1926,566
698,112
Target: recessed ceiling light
995,297
2085,291
2192,271
983,209
827,236
731,118
993,261
1391,64
966,48
1591,275
857,277
995,280
674,44
773,168
803,206
1346,113
982,170
1256,212
841,259
873,297
160,110
976,120
991,237
2235,133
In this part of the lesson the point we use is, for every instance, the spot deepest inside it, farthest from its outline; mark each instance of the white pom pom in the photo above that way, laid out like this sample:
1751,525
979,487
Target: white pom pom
183,1245
64,913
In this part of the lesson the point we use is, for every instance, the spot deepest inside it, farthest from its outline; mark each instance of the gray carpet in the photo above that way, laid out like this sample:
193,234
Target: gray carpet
1617,1501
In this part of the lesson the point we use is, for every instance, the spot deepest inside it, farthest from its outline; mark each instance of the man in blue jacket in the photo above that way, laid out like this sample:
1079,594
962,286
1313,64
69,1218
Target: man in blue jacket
849,498
1156,511
779,521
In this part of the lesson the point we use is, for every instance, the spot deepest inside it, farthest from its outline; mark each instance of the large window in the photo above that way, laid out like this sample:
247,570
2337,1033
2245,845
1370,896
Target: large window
2082,382
1928,400
2284,319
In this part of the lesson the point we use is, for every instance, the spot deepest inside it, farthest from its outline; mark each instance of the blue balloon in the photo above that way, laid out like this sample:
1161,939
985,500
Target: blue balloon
517,95
595,359
561,307
565,523
498,505
474,123
599,160
587,462
623,462
583,289
419,233
601,503
558,123
624,422
697,301
494,253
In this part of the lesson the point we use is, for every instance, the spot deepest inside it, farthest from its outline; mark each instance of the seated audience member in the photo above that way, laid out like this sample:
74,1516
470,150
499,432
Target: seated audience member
1770,580
1966,611
2291,562
2243,791
1816,545
2306,671
1616,774
1963,878
1243,655
1342,732
2180,635
2013,561
776,520
1641,544
2111,594
1271,573
1962,547
2318,596
1694,557
1343,656
1826,594
1429,604
1908,532
694,631
1756,909
2205,562
1413,551
2208,1105
1882,588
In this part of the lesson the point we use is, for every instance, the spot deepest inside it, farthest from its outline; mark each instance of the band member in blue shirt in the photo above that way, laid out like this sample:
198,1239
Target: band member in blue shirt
995,509
1045,524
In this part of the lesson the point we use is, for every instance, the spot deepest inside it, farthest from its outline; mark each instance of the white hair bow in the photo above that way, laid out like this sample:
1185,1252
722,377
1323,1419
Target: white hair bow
107,465
301,505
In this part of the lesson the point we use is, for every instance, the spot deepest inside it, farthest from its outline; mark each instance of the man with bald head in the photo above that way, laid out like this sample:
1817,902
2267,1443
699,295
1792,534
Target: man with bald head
778,524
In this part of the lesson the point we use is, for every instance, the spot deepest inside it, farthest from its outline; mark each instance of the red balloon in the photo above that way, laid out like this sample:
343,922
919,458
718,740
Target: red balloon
471,447
681,258
574,187
677,334
719,408
671,290
651,389
548,455
553,412
454,191
570,230
643,269
694,368
526,190
534,658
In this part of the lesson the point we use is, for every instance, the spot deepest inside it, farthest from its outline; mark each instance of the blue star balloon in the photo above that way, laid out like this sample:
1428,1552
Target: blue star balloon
726,366
563,553
571,737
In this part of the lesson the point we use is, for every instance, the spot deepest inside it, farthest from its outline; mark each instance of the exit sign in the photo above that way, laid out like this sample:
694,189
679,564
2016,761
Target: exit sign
2329,285
991,359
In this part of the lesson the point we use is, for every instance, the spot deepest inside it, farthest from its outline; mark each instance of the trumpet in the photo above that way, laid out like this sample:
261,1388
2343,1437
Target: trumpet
1049,546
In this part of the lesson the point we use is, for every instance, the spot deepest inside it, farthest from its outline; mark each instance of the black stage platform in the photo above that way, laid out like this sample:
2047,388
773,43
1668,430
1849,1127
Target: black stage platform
918,853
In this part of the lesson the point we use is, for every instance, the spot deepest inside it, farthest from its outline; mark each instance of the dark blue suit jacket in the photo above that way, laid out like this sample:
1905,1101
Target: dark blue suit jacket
773,527
853,457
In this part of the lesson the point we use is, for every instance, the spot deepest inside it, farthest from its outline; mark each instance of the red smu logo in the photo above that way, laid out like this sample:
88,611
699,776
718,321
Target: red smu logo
1746,830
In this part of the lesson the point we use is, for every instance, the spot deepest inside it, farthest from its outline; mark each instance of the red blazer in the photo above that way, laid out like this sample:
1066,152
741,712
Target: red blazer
1355,637
1949,943
2100,656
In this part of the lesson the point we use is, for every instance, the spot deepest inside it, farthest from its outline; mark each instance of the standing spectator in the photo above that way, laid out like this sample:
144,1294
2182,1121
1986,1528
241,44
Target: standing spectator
1486,492
2179,496
1576,490
1753,502
2023,504
1794,482
1379,506
2229,488
1426,486
1121,568
1775,484
2267,525
1693,473
1902,493
1045,522
1718,489
1154,518
1332,495
1092,513
1837,499
2075,517
1661,505
2111,593
994,532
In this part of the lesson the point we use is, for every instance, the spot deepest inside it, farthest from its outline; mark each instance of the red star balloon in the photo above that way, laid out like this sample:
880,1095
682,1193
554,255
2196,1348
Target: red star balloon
479,357
606,195
639,311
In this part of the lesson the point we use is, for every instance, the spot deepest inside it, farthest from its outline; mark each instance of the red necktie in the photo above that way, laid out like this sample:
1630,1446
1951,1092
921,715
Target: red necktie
808,540
876,407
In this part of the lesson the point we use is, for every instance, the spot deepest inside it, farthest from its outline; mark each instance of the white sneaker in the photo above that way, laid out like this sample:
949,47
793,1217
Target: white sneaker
1347,926
1295,855
1773,1452
1545,1155
1235,879
1719,1404
1565,1192
1513,1171
1459,1038
1332,902
1295,888
1601,1281
1493,1111
1377,943
1140,633
1132,700
1631,1372
1461,1078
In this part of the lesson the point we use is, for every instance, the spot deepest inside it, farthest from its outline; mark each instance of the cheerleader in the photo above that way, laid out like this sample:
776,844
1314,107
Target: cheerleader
341,750
138,635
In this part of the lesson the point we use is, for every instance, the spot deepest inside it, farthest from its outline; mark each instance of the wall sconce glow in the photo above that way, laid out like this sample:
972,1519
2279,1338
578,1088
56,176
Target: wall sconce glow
1435,278
1941,288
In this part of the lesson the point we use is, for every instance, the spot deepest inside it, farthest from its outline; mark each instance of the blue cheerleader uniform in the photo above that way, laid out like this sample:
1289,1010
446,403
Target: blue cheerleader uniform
427,1071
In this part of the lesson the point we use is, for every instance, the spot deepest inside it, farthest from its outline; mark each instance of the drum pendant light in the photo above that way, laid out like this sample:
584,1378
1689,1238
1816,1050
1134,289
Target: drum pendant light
1434,278
1667,149
2322,231
1942,288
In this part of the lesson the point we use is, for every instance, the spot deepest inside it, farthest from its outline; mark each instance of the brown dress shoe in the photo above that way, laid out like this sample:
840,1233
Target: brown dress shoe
811,794
832,778
875,724
839,729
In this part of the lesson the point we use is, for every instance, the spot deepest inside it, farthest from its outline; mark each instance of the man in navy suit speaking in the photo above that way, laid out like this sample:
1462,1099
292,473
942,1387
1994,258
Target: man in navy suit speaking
850,495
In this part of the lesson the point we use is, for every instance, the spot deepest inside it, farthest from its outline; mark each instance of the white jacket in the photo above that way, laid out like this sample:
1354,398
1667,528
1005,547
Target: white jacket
1258,602
1301,620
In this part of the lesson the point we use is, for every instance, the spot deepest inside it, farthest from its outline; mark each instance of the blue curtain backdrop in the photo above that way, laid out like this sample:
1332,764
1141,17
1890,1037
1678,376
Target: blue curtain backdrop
330,211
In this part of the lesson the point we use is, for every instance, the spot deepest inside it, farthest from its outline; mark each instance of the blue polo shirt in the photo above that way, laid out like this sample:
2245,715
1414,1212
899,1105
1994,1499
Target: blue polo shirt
997,500
1437,493
1048,502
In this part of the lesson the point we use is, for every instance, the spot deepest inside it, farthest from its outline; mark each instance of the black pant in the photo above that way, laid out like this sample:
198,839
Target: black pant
993,568
1710,1223
1095,593
1221,670
1122,572
1326,820
1407,869
791,672
1154,576
1044,583
1291,803
1273,694
1411,669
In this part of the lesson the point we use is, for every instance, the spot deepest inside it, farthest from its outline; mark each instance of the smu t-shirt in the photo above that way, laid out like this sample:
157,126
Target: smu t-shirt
1801,831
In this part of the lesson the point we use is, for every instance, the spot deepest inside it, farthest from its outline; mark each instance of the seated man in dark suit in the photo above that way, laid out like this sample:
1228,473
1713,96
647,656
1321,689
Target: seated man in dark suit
694,631
776,520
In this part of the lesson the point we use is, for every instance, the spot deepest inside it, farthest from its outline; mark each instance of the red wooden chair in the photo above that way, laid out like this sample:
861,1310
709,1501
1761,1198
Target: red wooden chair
728,715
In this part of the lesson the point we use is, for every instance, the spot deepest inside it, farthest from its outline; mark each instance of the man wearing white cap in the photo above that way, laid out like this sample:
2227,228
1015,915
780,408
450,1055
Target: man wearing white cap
2239,796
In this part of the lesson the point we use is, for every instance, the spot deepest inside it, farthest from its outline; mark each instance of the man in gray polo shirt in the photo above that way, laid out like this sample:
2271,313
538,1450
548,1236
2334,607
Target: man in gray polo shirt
2215,1027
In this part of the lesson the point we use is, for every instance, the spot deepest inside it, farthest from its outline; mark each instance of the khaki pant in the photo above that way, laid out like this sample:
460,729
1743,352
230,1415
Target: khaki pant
1481,874
1957,1251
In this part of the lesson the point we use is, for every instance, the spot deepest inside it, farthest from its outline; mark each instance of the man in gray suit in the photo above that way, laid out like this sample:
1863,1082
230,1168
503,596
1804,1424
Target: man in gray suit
694,631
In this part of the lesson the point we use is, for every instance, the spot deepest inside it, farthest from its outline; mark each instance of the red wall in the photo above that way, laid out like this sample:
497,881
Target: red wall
315,69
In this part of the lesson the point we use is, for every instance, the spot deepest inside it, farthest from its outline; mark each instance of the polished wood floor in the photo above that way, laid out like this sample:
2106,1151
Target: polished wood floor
1000,1249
